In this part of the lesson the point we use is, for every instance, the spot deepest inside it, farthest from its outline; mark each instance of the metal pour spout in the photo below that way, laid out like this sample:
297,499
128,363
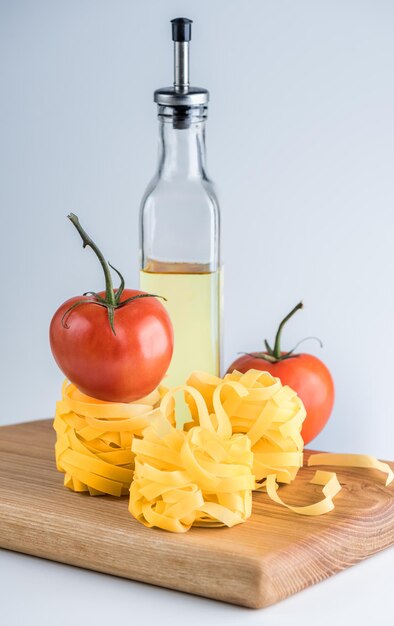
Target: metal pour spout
181,36
181,96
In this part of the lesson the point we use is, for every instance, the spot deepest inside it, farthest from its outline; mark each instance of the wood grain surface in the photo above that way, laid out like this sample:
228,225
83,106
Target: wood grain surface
273,555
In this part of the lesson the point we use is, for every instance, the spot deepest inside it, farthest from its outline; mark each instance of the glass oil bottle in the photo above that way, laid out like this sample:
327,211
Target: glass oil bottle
179,223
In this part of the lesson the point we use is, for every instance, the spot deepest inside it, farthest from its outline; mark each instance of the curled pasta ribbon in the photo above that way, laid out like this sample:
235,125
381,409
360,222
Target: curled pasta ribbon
352,460
200,477
328,480
271,415
331,487
93,446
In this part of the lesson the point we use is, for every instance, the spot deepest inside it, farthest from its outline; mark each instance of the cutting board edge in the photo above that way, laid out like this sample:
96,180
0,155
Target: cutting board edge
251,589
328,566
263,597
261,590
251,598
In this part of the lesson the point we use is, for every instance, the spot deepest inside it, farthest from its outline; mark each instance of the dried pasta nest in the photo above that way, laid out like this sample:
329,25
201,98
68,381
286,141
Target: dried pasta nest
270,414
200,477
93,446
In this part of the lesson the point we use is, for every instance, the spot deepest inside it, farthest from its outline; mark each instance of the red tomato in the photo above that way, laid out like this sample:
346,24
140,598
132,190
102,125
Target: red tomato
304,373
115,345
116,368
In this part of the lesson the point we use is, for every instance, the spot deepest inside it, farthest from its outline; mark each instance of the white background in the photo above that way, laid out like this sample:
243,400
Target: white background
300,144
301,147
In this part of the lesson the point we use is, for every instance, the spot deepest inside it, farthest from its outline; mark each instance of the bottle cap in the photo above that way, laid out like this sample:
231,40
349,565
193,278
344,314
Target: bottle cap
181,29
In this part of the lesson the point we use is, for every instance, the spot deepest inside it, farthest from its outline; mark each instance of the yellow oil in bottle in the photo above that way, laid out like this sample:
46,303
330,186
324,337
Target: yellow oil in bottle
193,301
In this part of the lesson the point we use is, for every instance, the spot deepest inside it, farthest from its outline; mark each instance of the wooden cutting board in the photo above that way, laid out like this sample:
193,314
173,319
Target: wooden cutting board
273,555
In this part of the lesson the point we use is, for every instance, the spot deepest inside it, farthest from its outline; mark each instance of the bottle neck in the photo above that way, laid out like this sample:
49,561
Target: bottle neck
181,150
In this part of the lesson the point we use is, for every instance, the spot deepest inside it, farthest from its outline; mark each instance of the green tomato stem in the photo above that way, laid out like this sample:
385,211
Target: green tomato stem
112,300
87,241
276,353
